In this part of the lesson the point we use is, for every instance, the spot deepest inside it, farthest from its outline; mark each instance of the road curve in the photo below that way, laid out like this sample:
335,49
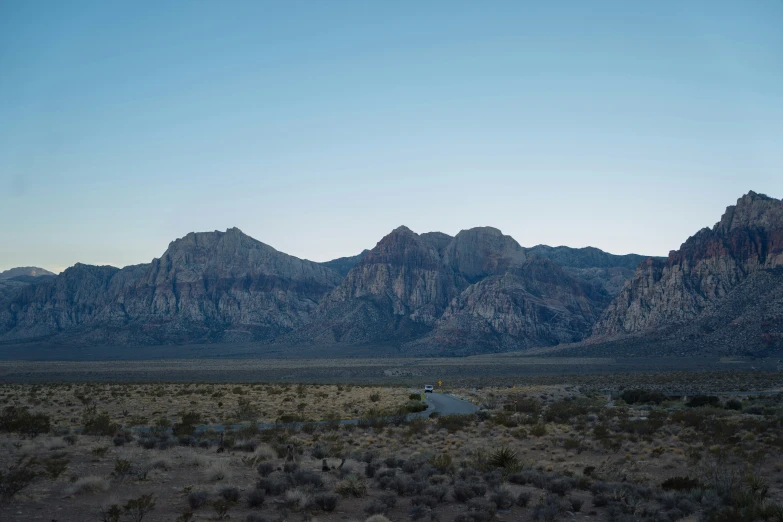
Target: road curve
447,405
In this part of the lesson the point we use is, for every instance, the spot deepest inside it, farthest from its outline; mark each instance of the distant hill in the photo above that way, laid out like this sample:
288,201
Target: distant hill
30,271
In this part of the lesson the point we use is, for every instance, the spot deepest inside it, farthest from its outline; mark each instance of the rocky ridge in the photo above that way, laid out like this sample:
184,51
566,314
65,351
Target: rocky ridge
719,291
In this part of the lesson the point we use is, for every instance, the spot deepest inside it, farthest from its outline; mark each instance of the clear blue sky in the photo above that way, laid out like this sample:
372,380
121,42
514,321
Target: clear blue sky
317,127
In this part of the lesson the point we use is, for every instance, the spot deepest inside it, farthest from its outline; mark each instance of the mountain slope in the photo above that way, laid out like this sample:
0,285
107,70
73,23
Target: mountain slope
706,268
212,286
431,293
714,293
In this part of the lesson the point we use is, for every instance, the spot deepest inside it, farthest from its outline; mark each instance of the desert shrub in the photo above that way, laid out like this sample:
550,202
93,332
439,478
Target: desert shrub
733,404
538,430
148,443
549,509
55,465
120,439
454,423
111,513
230,493
100,451
91,484
565,410
680,484
255,518
187,426
529,476
479,510
523,499
298,499
122,468
464,491
438,492
197,499
188,441
290,467
71,439
404,485
326,501
98,423
20,420
255,498
412,464
308,478
274,484
221,507
493,478
561,486
17,477
414,397
503,498
415,406
375,397
217,471
265,469
642,396
351,486
138,508
376,507
385,478
248,446
393,462
703,400
370,468
419,511
424,500
373,418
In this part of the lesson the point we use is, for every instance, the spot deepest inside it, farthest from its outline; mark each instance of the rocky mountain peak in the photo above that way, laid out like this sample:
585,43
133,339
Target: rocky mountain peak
482,251
751,210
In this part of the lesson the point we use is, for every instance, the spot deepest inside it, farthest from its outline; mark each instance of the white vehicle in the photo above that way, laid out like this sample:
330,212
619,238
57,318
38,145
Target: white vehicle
428,388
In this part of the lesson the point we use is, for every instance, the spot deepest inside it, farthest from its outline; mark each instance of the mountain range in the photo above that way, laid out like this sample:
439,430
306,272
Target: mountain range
426,294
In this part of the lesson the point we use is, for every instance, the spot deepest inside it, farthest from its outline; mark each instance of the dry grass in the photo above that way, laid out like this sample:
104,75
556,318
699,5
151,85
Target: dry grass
88,485
145,404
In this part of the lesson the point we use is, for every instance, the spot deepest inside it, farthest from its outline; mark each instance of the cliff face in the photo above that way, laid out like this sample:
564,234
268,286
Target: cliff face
424,293
478,291
206,286
705,270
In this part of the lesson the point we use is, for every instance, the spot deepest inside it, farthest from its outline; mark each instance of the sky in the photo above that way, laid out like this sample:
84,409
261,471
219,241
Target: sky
318,127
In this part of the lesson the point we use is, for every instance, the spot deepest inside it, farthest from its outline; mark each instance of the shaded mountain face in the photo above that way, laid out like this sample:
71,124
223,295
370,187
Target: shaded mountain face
212,286
14,279
475,292
708,277
343,265
421,293
607,272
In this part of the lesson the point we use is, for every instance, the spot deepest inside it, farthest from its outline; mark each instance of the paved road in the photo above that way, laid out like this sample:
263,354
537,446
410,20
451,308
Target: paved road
448,405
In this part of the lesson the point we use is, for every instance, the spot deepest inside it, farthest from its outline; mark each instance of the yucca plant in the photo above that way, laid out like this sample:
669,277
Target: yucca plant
505,458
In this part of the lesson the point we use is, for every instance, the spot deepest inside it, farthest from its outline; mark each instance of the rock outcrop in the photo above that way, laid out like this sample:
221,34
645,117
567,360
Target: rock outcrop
431,293
212,286
694,281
